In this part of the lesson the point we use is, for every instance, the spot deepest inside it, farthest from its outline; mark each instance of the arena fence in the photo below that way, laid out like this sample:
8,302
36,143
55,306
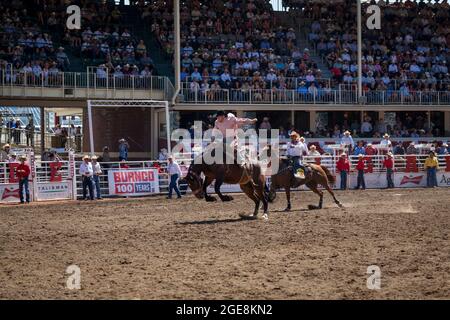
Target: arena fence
60,180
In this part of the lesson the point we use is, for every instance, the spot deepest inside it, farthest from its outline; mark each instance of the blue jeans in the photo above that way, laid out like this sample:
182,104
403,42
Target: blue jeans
23,184
97,187
88,184
390,182
296,164
431,178
343,180
173,185
361,181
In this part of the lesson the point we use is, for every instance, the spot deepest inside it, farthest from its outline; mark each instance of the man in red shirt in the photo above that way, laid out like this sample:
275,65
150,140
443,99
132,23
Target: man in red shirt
360,166
343,166
388,163
23,172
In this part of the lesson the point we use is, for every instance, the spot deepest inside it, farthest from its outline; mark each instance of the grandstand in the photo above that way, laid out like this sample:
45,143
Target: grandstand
293,61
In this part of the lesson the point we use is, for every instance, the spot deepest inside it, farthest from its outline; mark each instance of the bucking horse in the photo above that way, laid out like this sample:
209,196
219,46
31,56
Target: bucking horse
248,175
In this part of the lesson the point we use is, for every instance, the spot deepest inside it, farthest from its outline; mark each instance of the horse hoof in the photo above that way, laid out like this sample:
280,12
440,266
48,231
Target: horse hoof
287,209
265,216
248,217
210,199
340,205
312,207
227,198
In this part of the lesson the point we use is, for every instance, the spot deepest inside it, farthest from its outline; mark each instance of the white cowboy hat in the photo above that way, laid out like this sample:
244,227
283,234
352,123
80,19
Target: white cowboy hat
86,157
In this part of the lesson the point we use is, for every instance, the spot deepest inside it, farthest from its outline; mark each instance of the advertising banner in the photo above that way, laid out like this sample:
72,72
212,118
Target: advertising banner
9,193
132,182
53,191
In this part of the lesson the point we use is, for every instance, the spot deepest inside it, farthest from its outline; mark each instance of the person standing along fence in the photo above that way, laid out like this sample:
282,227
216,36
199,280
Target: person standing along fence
343,166
361,167
97,173
87,172
388,163
23,172
431,166
174,171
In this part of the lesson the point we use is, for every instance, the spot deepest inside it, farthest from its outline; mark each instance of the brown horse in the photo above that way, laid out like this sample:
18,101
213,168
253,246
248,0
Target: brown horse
318,175
248,176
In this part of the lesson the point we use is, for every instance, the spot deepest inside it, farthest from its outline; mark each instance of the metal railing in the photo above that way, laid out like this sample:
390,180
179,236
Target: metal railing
83,80
316,96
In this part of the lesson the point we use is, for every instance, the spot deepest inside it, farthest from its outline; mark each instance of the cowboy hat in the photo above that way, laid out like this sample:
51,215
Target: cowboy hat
294,134
23,157
360,155
343,154
313,147
6,146
122,140
346,132
86,157
389,154
94,157
385,135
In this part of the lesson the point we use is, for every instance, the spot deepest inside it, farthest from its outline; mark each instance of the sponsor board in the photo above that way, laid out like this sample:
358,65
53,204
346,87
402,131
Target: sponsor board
133,182
53,191
410,180
443,179
372,180
9,193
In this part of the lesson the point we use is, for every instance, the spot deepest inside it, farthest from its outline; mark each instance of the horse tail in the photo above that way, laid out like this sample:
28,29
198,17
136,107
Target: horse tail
331,178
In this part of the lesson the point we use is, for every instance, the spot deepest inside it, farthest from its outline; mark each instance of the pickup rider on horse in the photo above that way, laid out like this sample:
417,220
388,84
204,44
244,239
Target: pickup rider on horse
296,149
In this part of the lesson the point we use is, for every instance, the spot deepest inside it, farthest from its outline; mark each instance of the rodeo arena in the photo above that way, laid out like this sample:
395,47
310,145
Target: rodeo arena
119,119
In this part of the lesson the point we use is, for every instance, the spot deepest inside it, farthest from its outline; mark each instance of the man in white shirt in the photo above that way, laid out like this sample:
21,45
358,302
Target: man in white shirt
386,143
296,149
174,172
347,141
87,173
97,173
366,128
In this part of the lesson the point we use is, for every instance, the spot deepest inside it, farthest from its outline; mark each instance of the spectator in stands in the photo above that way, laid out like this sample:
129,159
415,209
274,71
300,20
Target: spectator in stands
443,149
162,156
174,172
360,166
359,149
347,142
29,131
388,163
123,150
97,170
23,172
313,151
386,142
399,149
411,149
5,154
87,173
343,167
13,158
431,166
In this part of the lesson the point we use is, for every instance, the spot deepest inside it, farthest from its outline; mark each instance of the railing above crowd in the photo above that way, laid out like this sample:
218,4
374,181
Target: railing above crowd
85,80
316,96
345,94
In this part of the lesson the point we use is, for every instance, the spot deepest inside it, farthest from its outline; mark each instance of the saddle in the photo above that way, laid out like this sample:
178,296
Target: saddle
301,174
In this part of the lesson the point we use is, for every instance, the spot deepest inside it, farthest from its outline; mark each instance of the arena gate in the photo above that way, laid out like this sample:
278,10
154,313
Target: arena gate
49,180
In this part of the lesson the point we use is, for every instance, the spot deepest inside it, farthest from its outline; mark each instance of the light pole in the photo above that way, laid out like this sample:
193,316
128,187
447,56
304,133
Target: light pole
177,48
359,26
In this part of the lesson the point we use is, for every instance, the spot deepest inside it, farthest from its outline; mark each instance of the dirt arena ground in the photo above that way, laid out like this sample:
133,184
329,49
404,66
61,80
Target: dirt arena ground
187,249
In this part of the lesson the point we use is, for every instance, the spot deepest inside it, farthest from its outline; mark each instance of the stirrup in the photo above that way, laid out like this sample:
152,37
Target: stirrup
300,174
